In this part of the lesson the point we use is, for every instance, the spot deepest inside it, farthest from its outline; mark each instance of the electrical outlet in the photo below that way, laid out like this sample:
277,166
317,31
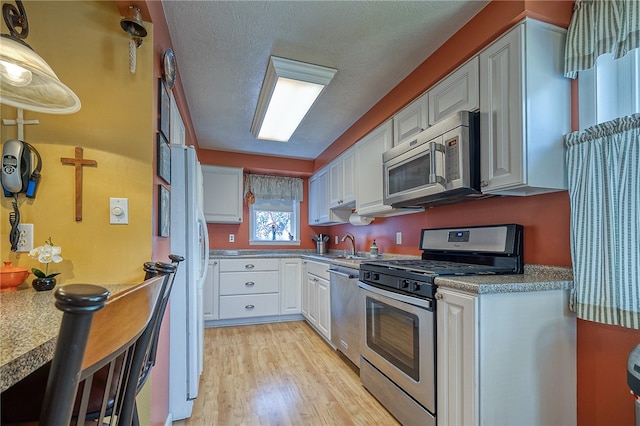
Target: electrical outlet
336,240
398,237
25,241
232,238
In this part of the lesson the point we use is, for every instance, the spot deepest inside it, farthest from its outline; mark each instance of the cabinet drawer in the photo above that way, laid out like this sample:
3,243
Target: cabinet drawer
232,265
318,269
248,282
254,305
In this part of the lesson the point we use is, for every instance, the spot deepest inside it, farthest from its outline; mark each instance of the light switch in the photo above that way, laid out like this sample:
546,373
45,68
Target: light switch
119,211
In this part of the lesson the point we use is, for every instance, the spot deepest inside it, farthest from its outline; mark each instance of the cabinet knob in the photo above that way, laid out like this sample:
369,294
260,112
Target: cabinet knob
249,307
484,183
249,266
249,283
439,296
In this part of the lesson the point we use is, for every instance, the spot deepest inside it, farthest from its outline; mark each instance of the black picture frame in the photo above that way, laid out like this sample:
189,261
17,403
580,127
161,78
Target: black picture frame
164,211
164,108
164,159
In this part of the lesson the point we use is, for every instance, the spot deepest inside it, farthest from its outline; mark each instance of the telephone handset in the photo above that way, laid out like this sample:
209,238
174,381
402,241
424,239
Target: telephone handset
19,174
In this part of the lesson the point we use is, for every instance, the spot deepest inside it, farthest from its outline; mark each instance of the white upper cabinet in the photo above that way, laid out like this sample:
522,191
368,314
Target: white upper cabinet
319,211
222,194
410,120
342,180
369,159
459,91
524,111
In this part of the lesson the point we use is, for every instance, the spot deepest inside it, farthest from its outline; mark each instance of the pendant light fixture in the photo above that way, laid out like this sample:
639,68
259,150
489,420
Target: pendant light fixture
26,80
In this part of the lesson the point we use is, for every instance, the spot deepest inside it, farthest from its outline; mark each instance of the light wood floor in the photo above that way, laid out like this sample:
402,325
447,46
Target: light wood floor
279,374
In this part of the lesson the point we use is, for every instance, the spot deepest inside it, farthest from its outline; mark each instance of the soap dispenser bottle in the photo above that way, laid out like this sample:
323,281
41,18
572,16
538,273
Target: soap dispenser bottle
373,250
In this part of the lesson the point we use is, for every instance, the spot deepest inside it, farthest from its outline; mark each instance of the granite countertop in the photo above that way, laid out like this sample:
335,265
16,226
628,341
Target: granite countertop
29,324
535,278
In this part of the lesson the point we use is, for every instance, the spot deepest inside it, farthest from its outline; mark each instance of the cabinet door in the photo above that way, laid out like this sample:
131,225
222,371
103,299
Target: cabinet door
312,300
323,299
335,183
313,201
290,286
342,180
457,358
410,121
210,293
349,176
459,91
501,114
304,308
369,166
222,194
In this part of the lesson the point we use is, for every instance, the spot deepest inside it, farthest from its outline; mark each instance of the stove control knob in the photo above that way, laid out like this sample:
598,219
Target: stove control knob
366,275
416,286
376,276
404,284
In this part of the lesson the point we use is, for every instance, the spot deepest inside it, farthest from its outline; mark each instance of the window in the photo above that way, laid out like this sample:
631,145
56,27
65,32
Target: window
274,222
610,89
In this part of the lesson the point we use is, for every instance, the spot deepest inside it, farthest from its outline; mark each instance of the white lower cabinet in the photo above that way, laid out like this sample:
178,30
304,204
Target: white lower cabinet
317,297
506,358
247,289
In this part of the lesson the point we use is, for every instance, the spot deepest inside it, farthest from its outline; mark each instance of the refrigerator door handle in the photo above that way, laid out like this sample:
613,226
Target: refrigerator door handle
204,255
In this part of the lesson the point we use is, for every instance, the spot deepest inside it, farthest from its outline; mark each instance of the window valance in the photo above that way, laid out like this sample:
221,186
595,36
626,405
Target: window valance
274,187
598,27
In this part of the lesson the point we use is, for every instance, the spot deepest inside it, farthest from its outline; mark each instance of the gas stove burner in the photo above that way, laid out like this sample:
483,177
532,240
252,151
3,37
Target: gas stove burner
436,267
481,250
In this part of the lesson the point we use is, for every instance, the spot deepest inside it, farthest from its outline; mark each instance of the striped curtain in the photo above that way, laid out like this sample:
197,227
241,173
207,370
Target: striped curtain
604,189
598,27
274,187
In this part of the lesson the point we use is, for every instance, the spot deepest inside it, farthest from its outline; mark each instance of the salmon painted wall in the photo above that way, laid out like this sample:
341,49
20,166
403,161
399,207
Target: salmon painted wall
258,164
603,397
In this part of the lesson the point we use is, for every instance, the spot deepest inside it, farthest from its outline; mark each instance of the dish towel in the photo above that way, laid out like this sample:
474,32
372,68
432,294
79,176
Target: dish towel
603,165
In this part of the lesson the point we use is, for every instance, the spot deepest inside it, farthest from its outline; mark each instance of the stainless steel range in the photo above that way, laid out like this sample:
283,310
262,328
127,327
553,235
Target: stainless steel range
398,353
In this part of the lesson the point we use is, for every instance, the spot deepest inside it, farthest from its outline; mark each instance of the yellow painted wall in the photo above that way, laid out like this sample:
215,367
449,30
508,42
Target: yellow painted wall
84,44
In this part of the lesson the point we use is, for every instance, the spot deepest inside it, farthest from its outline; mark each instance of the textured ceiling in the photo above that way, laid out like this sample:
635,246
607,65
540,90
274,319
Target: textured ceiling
222,49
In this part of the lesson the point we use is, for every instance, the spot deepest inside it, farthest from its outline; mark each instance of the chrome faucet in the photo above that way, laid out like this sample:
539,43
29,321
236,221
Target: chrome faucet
352,240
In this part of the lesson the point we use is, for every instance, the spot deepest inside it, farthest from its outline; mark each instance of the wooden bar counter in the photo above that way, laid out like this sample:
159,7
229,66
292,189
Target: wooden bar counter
29,324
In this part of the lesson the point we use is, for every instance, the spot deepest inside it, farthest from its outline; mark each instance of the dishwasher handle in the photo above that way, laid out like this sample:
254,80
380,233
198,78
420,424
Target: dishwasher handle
343,274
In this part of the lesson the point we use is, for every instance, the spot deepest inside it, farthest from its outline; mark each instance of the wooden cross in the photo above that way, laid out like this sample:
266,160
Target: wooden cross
78,162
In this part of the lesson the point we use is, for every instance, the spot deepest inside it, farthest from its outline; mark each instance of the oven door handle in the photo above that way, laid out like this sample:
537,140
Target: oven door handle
416,301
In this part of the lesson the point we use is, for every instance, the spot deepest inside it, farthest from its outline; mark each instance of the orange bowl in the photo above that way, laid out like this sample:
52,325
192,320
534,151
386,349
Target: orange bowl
12,276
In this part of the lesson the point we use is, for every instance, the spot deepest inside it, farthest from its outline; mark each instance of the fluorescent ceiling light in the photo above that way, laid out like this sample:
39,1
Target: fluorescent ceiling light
289,90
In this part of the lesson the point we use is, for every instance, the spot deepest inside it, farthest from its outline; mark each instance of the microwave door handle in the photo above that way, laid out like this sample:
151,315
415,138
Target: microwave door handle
432,158
433,175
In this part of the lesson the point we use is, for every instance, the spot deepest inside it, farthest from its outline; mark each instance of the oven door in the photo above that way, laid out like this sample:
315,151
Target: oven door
414,174
399,340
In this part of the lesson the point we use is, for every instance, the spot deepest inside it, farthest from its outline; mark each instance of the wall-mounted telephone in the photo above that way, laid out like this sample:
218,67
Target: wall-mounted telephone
19,173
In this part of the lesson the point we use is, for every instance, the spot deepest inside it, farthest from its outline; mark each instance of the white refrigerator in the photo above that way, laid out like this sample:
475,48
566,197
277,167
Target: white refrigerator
189,238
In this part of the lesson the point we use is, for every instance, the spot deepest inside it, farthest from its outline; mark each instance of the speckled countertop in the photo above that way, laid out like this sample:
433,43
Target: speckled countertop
535,277
29,324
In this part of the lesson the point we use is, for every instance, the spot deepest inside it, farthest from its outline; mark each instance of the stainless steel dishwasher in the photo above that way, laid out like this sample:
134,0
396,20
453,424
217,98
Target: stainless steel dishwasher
345,312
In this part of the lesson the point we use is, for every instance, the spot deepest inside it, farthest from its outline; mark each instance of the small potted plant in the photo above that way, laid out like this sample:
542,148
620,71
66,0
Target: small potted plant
46,254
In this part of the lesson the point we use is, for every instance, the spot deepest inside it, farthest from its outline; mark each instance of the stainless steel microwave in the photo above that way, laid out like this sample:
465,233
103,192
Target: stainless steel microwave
440,166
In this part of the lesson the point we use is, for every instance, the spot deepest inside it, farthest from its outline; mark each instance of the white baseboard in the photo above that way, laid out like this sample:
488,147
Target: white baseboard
169,420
